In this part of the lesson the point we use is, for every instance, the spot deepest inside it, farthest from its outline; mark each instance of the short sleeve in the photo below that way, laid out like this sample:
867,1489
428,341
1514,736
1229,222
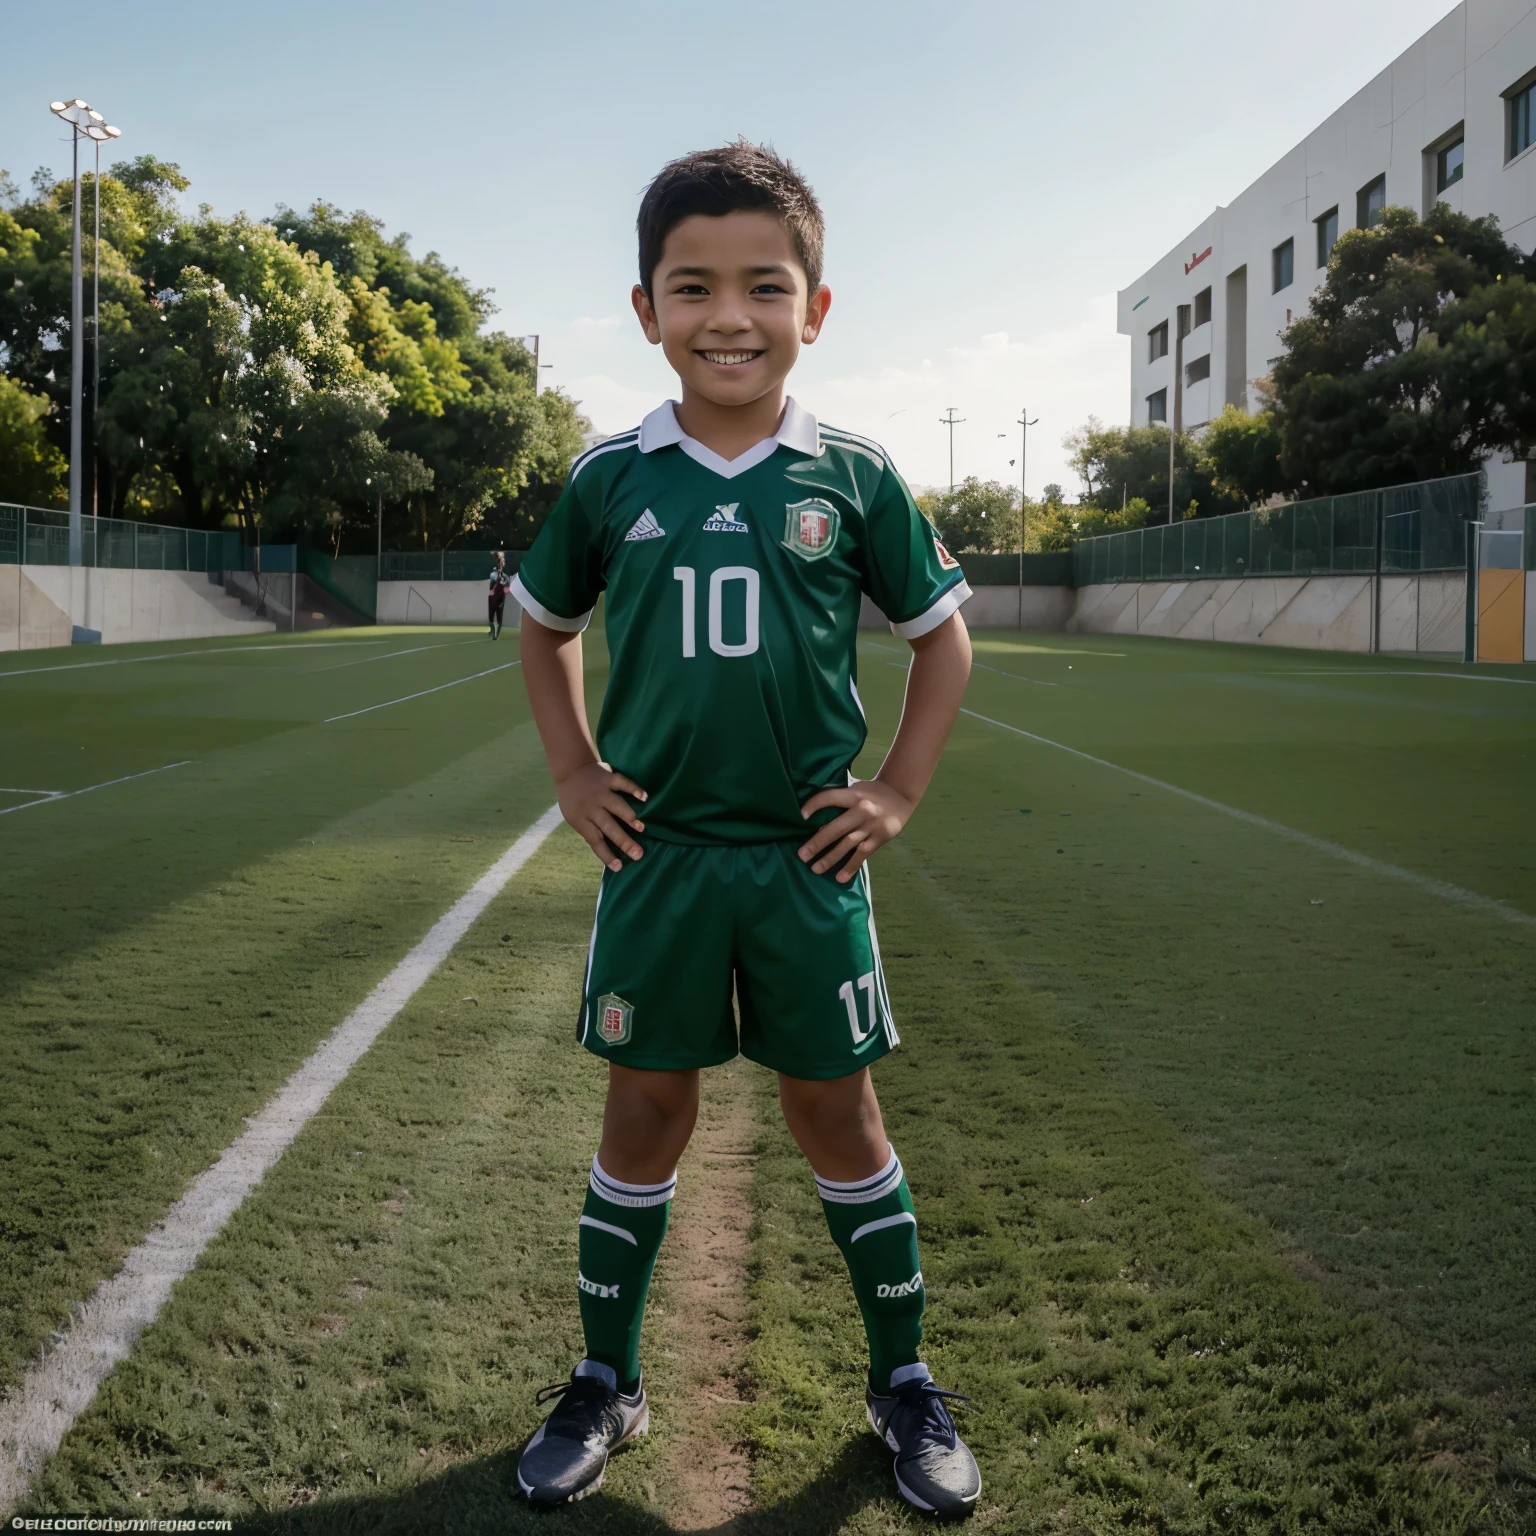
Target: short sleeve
913,579
560,578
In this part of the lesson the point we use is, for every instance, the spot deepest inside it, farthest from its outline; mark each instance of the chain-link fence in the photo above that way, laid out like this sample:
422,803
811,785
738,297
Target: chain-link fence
444,564
1419,527
40,536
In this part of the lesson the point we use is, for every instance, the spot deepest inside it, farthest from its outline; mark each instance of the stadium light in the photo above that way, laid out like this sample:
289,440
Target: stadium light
85,123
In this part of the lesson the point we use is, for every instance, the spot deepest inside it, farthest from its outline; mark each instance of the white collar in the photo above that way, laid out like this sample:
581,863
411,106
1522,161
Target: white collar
797,430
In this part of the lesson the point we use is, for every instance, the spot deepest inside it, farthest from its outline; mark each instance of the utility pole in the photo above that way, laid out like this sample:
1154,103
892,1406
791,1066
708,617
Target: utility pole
536,364
1024,424
951,421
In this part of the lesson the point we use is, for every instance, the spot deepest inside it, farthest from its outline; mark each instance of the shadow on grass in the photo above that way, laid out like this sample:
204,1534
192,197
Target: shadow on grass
478,1497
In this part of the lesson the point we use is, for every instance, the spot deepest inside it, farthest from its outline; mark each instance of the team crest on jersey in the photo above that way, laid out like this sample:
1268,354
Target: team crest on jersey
946,560
615,1019
725,520
810,528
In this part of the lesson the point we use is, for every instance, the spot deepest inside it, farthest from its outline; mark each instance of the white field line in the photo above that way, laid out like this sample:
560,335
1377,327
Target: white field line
211,650
1460,677
1018,677
1442,888
52,796
36,1416
441,645
47,794
406,698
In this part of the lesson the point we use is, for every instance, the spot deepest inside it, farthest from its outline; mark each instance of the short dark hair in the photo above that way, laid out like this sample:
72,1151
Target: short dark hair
715,182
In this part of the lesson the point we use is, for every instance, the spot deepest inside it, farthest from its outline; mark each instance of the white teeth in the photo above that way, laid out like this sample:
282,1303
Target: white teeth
730,358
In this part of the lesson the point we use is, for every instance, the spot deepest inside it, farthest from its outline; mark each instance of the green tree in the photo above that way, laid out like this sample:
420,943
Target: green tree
466,403
32,471
1060,527
1402,368
287,372
976,517
1240,454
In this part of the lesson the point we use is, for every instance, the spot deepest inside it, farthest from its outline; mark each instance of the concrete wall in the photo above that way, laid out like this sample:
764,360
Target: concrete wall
1044,609
1329,613
41,604
439,602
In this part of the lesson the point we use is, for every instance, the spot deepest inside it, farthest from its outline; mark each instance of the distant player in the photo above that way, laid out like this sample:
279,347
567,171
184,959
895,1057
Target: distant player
501,583
734,537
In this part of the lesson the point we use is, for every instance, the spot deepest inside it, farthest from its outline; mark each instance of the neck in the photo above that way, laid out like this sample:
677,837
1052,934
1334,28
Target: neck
730,430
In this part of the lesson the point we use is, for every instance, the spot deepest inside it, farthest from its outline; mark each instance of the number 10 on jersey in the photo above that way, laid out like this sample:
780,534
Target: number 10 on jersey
688,577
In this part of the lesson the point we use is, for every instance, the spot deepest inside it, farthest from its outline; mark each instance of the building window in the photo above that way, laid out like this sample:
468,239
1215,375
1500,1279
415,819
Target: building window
1157,407
1369,201
1157,342
1327,235
1203,307
1449,164
1284,262
1521,114
1198,370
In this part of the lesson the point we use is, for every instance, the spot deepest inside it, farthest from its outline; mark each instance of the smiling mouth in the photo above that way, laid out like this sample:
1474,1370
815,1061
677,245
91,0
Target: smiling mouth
730,359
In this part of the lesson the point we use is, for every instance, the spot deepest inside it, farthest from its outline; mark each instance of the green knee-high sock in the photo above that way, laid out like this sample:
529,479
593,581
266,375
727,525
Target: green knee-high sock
872,1223
622,1226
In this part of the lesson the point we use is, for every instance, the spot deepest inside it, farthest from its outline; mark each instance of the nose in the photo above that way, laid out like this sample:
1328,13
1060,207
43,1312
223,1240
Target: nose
731,318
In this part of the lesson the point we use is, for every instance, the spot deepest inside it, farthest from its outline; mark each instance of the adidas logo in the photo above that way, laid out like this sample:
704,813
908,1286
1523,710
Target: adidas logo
646,527
906,1288
592,1288
725,520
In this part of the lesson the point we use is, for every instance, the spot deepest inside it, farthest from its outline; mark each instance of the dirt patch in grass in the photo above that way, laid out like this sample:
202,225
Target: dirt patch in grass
703,1268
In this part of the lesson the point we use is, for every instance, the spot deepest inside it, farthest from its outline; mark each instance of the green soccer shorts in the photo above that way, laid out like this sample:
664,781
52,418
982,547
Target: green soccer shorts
681,929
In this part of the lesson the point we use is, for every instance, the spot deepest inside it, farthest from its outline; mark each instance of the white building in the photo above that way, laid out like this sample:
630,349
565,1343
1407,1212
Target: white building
1451,119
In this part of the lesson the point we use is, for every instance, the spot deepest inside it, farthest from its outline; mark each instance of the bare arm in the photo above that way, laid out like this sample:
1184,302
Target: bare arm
588,788
877,809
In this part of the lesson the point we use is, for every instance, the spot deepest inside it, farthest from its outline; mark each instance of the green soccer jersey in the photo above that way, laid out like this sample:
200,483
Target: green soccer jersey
734,590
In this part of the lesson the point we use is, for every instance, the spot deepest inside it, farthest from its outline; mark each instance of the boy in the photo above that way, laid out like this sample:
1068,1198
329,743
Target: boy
734,537
501,584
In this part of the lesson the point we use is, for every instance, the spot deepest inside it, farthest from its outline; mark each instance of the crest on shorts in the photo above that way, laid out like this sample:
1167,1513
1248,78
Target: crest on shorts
810,528
946,560
615,1019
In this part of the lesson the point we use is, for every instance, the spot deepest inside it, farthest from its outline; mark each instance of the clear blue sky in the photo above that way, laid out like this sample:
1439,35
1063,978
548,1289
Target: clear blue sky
992,172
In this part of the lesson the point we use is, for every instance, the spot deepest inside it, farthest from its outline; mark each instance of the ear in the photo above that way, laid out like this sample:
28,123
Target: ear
815,314
645,311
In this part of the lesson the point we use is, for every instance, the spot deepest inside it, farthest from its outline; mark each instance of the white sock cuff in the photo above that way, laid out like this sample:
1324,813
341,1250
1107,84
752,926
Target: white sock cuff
616,1192
862,1191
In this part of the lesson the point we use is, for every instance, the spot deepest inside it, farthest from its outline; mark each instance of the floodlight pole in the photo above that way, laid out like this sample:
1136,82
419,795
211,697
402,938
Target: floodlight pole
951,421
76,364
83,122
96,337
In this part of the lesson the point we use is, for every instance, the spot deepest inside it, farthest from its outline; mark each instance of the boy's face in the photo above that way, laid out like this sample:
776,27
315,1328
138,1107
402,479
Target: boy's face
730,305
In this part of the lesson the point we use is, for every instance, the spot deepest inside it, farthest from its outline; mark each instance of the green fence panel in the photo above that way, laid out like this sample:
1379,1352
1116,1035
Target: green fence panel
11,525
40,536
272,558
444,565
352,580
1422,527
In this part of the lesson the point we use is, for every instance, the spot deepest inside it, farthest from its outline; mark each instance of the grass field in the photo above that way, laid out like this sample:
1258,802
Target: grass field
1222,1137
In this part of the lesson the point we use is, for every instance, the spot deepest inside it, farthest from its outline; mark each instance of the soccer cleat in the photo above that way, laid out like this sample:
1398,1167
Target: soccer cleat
569,1452
934,1467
